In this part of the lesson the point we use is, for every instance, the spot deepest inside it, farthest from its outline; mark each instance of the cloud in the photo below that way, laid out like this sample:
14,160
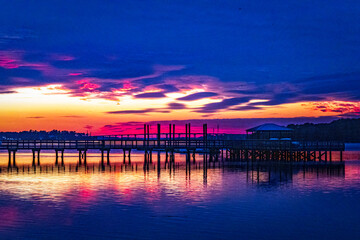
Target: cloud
351,114
36,117
150,95
141,111
72,116
197,96
7,92
167,88
88,127
345,108
224,104
176,106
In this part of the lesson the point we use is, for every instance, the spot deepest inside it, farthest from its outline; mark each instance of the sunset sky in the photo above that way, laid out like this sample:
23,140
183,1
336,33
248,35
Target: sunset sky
105,66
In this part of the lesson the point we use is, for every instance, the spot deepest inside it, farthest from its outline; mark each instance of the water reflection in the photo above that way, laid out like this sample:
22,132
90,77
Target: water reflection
162,198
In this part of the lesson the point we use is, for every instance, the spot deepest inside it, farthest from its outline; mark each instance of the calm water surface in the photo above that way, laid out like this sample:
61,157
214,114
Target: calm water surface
127,202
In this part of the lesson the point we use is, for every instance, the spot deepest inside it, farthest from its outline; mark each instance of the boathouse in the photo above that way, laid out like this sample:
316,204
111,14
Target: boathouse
270,131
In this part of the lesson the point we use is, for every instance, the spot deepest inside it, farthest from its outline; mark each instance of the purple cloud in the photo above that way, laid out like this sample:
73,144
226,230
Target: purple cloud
176,106
150,95
224,104
197,96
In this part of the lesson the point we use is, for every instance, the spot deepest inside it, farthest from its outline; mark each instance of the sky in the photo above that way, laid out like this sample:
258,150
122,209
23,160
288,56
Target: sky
107,66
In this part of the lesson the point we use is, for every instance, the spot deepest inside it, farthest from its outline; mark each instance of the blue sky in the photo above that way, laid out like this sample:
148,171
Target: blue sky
281,51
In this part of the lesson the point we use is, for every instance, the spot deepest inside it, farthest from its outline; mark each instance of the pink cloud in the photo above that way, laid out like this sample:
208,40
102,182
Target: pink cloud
8,63
87,86
75,74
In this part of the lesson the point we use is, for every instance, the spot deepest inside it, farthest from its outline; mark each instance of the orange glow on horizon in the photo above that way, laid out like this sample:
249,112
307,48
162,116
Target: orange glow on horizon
53,107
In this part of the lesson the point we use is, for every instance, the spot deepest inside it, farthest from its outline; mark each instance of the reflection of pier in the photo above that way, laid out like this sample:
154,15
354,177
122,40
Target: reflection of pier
258,173
214,148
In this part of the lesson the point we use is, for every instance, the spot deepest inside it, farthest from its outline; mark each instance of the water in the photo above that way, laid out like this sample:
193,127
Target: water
220,203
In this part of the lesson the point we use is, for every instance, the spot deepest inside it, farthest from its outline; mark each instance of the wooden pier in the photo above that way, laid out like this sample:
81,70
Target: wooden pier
212,146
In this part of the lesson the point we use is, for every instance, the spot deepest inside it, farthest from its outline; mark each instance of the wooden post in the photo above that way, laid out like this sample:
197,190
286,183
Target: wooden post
170,134
84,153
62,157
341,156
108,157
124,156
38,157
79,157
9,164
56,157
129,156
173,134
158,159
102,156
186,135
326,156
33,161
189,134
158,134
148,135
144,135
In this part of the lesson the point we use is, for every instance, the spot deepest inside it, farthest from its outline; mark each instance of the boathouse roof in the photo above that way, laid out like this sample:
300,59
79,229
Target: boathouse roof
268,127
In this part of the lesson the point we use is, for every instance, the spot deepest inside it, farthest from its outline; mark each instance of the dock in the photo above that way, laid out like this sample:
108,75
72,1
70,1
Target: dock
211,146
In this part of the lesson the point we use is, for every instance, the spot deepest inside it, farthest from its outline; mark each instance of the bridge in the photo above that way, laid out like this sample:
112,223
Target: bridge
213,147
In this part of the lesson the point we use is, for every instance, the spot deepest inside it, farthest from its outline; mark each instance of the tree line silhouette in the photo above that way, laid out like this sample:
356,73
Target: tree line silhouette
345,130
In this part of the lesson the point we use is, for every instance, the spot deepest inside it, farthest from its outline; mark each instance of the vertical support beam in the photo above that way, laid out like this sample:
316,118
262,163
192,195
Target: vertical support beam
84,155
186,135
205,136
158,134
14,158
62,157
129,156
102,157
33,161
326,156
108,157
189,134
170,134
144,135
124,155
148,135
173,134
56,157
9,164
38,157
341,156
79,157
